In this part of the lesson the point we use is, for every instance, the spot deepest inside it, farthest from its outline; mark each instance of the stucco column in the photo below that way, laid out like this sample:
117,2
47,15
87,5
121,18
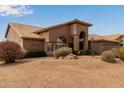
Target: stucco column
76,42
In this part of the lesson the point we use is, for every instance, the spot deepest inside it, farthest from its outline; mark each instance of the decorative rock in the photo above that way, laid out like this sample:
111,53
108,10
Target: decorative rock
71,56
60,58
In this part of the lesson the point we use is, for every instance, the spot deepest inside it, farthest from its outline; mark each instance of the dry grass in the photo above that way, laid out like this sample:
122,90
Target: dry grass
50,72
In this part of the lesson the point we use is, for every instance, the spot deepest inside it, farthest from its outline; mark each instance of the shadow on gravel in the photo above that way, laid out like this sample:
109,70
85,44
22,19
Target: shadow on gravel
17,62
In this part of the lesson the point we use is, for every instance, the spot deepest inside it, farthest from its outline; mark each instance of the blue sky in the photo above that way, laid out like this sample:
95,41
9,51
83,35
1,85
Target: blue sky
105,19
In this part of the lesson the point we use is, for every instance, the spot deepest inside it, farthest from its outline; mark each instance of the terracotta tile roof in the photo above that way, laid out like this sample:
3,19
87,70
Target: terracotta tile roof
113,36
66,23
25,31
100,38
95,37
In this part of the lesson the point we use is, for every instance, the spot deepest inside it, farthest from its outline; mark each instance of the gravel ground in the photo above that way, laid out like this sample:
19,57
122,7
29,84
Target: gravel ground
49,72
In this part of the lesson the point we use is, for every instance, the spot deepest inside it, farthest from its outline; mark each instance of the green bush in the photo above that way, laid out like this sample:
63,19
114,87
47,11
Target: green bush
88,52
82,52
108,56
121,53
91,52
62,52
75,52
35,53
79,52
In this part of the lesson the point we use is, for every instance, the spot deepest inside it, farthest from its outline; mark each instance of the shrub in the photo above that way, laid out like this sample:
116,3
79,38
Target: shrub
75,52
10,51
88,52
35,53
121,53
82,52
62,52
91,52
79,52
108,56
116,52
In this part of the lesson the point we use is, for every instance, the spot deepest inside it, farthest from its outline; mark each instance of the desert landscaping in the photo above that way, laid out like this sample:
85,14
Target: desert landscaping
60,56
86,71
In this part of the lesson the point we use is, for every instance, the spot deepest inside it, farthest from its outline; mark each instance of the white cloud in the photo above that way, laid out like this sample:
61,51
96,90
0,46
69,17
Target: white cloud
6,10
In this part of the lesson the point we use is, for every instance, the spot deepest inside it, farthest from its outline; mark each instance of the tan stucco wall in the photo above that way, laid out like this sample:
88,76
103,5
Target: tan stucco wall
75,30
69,32
72,30
33,44
103,46
98,47
13,36
81,28
55,33
45,35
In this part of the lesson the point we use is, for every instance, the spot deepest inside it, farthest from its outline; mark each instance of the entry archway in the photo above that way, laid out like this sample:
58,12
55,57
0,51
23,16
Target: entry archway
81,40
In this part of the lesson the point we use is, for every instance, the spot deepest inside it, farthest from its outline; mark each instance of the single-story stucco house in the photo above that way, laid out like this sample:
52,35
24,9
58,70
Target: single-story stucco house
73,34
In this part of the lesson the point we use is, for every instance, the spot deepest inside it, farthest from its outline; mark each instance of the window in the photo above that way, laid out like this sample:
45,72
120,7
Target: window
49,47
61,42
59,45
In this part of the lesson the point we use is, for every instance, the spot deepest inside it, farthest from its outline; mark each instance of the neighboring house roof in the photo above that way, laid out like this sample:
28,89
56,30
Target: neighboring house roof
114,36
24,31
95,37
66,23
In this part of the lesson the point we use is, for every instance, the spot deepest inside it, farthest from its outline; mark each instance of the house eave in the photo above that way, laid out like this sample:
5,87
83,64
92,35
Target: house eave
32,38
62,24
7,30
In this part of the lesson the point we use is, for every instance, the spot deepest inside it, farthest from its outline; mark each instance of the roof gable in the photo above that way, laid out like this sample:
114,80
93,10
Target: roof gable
66,23
24,31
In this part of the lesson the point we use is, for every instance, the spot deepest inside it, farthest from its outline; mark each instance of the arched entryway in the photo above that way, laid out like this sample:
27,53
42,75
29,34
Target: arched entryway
81,40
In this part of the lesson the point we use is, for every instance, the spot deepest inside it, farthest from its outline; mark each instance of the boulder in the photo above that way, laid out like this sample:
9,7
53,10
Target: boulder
71,56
